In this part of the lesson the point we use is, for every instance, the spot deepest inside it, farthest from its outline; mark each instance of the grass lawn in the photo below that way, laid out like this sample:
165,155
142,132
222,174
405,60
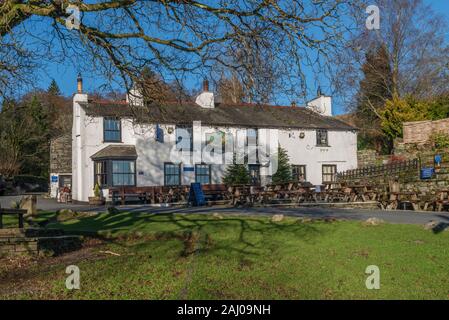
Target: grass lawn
236,257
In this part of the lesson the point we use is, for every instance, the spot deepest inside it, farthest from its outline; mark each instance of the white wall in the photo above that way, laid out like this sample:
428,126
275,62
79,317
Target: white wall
342,151
88,139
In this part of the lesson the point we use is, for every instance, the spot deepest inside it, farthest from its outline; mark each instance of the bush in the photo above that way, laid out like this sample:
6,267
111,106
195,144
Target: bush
440,140
30,183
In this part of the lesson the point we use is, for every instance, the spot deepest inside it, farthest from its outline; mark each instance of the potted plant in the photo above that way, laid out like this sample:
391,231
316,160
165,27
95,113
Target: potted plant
97,199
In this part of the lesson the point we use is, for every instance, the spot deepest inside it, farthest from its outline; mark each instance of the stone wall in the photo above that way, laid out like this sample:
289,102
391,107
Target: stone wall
369,157
420,131
61,154
15,241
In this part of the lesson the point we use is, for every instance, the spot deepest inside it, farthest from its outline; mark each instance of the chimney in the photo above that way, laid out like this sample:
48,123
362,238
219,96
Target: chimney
322,104
79,83
206,98
205,85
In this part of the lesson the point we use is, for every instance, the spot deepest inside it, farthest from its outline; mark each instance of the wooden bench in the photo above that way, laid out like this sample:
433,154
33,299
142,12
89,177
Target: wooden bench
122,194
214,191
18,212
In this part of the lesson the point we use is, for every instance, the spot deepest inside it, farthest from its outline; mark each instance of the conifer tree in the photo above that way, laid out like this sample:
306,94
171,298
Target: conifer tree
284,171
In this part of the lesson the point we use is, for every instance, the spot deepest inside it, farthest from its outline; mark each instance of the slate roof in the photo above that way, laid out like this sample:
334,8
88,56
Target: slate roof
238,115
116,151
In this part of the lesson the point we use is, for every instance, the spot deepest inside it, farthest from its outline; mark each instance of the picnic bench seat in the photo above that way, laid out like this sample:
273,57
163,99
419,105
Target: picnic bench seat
128,193
18,212
215,191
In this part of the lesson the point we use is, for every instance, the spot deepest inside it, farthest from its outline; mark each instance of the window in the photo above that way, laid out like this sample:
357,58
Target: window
101,173
123,173
220,135
254,173
299,173
112,130
321,138
172,174
65,181
202,173
251,140
329,172
184,138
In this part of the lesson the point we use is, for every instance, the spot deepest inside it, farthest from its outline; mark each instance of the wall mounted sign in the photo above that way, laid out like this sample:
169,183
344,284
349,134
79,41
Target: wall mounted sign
189,169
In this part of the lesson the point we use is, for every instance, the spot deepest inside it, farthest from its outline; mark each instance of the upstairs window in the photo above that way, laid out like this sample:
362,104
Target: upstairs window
184,138
321,138
251,143
112,130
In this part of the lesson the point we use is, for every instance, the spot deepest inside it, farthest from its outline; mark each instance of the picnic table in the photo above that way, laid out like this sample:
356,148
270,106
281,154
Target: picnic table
442,198
396,198
18,212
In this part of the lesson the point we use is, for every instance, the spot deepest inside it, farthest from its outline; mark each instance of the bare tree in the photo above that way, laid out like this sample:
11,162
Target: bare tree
414,38
230,90
172,37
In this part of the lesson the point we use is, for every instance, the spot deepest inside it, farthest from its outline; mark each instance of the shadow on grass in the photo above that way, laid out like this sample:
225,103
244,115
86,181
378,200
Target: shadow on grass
198,233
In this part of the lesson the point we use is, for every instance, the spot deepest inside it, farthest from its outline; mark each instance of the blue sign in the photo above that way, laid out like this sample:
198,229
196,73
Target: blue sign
196,195
54,178
191,169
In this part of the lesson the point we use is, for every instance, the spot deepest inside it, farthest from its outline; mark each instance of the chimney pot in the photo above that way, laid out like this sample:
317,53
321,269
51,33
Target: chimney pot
205,85
79,83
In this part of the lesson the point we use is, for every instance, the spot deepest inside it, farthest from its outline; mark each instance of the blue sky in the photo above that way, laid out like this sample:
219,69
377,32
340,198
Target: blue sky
65,73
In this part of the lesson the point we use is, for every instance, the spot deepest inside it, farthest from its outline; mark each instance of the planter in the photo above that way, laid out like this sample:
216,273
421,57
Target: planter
97,201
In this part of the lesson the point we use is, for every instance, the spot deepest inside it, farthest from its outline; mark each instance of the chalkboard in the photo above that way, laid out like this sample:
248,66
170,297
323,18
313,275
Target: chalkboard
196,195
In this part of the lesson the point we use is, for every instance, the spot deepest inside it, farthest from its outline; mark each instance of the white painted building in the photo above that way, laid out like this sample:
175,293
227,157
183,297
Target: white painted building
115,143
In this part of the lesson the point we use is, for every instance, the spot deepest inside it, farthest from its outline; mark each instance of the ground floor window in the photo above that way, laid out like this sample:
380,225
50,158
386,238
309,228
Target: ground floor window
115,173
172,174
299,173
254,173
101,173
202,173
123,173
329,172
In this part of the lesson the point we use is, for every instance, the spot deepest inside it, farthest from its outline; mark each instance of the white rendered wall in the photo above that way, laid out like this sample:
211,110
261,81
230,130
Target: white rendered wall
152,155
342,151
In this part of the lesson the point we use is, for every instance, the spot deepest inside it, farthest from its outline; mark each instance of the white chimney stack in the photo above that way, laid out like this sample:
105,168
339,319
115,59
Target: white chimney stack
322,104
206,98
134,97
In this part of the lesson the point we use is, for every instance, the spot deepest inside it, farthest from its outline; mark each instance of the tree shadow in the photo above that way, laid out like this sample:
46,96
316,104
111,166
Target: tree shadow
248,236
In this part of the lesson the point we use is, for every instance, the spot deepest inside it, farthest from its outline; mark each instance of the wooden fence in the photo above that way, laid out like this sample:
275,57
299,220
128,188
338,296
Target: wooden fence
381,170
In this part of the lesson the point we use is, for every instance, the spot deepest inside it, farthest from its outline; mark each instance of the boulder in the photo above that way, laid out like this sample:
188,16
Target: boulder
29,203
217,216
373,222
277,218
65,214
